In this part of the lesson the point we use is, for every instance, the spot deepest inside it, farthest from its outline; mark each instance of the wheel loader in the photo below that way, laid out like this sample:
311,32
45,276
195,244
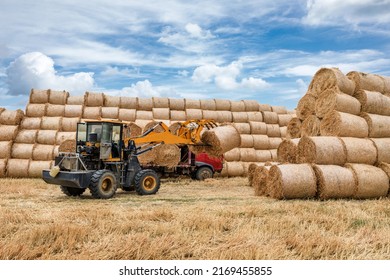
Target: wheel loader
106,157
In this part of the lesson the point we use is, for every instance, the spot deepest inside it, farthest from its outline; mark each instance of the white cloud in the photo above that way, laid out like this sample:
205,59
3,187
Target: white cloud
144,89
195,31
225,77
36,70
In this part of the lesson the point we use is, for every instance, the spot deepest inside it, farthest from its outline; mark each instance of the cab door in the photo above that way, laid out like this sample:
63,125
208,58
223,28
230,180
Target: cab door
105,141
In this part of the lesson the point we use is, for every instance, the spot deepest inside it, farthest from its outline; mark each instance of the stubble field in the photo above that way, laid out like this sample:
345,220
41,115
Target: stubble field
218,219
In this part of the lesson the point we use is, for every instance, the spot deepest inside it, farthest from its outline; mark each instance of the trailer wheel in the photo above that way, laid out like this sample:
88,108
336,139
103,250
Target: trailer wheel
103,184
147,182
69,191
204,172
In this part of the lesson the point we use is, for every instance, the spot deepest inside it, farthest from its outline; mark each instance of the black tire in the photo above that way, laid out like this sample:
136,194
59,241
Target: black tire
147,182
203,173
69,191
103,184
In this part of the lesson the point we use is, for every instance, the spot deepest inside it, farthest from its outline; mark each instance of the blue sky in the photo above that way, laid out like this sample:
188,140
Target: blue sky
262,50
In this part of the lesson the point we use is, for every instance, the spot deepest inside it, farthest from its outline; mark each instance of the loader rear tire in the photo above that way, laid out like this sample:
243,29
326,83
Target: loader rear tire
103,184
147,182
69,191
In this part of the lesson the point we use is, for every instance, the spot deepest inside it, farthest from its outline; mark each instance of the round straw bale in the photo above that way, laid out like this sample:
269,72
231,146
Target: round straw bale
294,128
385,167
127,115
30,123
263,155
210,115
374,102
74,111
378,126
47,137
17,168
221,139
51,123
371,82
65,135
248,155
372,182
141,123
240,117
290,181
223,104
160,102
144,115
132,130
274,155
279,110
174,127
161,113
194,114
192,103
5,149
58,97
261,142
332,78
43,152
76,100
322,150
255,116
283,131
145,104
235,169
178,115
26,136
270,117
306,106
382,145
55,110
110,112
224,116
8,132
360,150
343,124
176,104
251,105
39,96
330,100
3,167
11,117
273,130
127,102
208,104
258,127
36,110
94,99
148,157
23,151
112,101
335,181
259,183
265,107
67,146
288,150
232,155
246,141
36,167
311,126
283,119
93,113
237,106
243,128
251,172
167,155
70,124
274,142
151,124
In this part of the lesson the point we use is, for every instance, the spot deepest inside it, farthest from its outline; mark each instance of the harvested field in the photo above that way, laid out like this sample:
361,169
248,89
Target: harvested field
215,219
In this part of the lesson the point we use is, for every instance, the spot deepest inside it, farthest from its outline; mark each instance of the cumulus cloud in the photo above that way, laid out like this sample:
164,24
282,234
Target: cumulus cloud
36,70
144,89
225,77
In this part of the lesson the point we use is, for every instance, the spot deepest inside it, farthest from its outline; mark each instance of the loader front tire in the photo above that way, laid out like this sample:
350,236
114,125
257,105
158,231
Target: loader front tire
147,182
103,184
69,191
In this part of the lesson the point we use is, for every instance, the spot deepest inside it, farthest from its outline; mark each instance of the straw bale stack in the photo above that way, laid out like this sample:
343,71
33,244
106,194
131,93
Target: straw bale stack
127,115
222,104
192,103
208,104
294,128
112,101
360,150
144,115
251,105
11,117
30,123
181,115
110,112
265,107
26,136
145,104
374,102
240,117
55,110
331,100
255,116
367,81
36,110
177,104
270,117
161,113
67,146
8,132
259,181
75,100
234,169
194,114
17,168
22,151
322,150
232,155
382,146
74,110
90,113
47,137
69,124
5,149
94,99
221,139
128,102
36,166
288,150
378,126
58,97
261,142
326,78
51,123
306,106
3,167
39,96
246,141
345,125
237,106
311,126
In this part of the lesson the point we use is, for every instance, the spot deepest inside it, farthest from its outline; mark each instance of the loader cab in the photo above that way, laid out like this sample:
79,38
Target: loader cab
100,140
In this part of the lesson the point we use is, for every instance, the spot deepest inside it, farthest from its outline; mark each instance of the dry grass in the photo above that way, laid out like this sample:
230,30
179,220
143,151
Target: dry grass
216,219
